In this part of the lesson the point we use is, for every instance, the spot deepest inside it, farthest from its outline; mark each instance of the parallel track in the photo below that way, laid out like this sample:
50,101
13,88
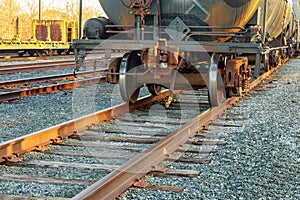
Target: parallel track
29,67
45,79
45,89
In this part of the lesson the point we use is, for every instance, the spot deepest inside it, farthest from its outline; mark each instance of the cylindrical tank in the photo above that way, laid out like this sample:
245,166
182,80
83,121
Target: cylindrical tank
94,28
279,16
194,12
211,13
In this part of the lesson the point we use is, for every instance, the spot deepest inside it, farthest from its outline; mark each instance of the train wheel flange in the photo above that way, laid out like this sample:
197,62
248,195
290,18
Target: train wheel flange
266,62
216,91
128,67
154,89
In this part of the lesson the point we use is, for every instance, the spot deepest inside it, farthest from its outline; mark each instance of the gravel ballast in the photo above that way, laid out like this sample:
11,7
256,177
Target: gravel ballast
27,115
261,158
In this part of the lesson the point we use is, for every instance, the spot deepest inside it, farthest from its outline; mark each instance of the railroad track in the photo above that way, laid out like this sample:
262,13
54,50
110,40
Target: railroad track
13,58
29,67
28,82
20,88
139,130
47,85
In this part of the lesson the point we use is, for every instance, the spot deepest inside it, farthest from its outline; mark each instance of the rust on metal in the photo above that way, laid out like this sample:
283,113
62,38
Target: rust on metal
35,66
159,169
5,97
11,150
30,81
140,184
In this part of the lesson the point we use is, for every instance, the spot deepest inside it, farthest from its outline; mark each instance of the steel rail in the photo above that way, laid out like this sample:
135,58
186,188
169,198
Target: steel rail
29,67
14,148
35,67
28,81
5,97
21,65
115,183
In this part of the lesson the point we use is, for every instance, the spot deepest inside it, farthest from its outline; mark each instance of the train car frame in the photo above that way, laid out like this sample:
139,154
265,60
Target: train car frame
47,37
145,42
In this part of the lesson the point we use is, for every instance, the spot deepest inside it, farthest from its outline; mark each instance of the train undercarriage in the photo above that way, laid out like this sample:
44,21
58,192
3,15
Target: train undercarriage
177,58
225,68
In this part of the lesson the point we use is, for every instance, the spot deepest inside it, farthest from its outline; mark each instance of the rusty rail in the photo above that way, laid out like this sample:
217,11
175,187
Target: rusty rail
28,81
5,97
29,67
12,149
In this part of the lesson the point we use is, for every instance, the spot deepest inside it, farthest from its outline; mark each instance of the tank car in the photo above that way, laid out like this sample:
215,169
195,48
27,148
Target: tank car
94,28
191,44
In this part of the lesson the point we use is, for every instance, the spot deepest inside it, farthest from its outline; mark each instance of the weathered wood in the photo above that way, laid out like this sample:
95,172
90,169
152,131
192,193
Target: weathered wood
208,143
231,119
210,136
194,160
129,132
151,120
53,164
148,186
102,155
101,146
225,125
184,173
45,180
172,157
141,125
199,151
94,137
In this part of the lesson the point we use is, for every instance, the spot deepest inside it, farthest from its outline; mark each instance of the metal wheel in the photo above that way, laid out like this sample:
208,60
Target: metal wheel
39,53
154,89
266,62
49,52
216,90
128,68
21,54
31,52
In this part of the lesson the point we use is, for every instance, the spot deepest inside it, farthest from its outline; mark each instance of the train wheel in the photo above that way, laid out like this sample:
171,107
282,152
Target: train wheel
31,52
21,54
128,67
266,62
49,52
39,53
154,89
216,91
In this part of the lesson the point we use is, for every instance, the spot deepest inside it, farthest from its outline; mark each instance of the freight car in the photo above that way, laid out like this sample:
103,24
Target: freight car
47,37
192,43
